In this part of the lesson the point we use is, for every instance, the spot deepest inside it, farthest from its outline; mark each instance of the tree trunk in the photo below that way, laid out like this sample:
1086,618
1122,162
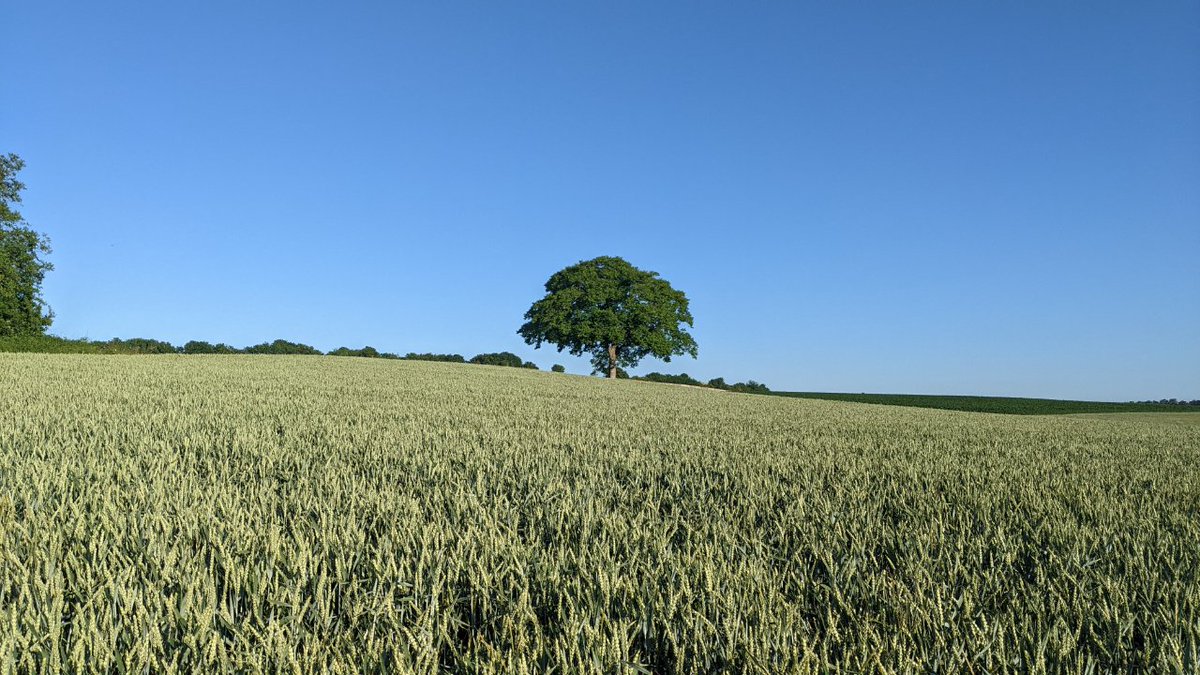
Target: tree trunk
612,362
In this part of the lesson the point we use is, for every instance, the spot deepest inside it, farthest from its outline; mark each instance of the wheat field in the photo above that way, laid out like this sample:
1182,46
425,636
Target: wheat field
322,514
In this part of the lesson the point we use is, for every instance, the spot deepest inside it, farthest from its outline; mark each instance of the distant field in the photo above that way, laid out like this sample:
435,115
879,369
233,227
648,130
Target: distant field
1183,419
319,514
996,404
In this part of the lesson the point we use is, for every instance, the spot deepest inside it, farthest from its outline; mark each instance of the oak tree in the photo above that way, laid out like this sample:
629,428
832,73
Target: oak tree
613,311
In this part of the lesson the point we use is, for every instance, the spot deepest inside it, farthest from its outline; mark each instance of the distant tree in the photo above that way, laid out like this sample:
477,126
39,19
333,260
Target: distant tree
750,387
718,383
530,365
138,346
22,269
558,368
367,352
446,358
613,311
498,359
282,347
47,344
202,347
682,378
198,347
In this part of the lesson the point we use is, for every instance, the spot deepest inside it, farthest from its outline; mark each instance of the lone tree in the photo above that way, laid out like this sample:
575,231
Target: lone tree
612,310
22,310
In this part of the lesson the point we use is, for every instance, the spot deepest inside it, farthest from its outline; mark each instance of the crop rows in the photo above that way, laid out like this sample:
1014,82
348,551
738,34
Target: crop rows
320,514
1000,404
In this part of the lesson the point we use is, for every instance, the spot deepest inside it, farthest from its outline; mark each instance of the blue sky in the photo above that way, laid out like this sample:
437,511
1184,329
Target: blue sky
998,198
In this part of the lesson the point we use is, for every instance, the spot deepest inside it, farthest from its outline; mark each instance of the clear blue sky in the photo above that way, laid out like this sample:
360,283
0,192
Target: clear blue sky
979,198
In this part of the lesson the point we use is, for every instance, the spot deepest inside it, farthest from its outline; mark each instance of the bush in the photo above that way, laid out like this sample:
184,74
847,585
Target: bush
558,368
202,347
498,359
283,347
750,387
46,344
444,358
366,352
682,378
530,365
137,346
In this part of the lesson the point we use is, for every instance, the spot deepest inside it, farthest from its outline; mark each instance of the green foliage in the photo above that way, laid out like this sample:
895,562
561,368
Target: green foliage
750,387
530,365
369,352
365,352
282,347
50,344
991,404
445,358
508,359
683,378
246,514
558,368
613,311
10,189
202,347
137,346
47,344
22,269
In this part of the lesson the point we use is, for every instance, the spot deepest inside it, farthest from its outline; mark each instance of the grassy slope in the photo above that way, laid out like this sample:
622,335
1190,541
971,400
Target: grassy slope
996,404
49,344
326,514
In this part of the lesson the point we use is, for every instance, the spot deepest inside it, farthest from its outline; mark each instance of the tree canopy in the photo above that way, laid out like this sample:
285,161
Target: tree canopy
444,358
613,311
22,269
282,347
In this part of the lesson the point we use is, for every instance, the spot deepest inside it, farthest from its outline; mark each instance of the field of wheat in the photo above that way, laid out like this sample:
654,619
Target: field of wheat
323,514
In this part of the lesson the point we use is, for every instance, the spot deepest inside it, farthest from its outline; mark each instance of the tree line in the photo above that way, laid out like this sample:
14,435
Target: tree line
51,344
748,387
57,345
604,308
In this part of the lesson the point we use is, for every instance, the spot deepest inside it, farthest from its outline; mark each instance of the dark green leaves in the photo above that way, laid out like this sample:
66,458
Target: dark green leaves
22,310
613,311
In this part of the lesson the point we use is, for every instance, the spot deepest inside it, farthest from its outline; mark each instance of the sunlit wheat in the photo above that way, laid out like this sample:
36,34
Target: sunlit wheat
313,514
